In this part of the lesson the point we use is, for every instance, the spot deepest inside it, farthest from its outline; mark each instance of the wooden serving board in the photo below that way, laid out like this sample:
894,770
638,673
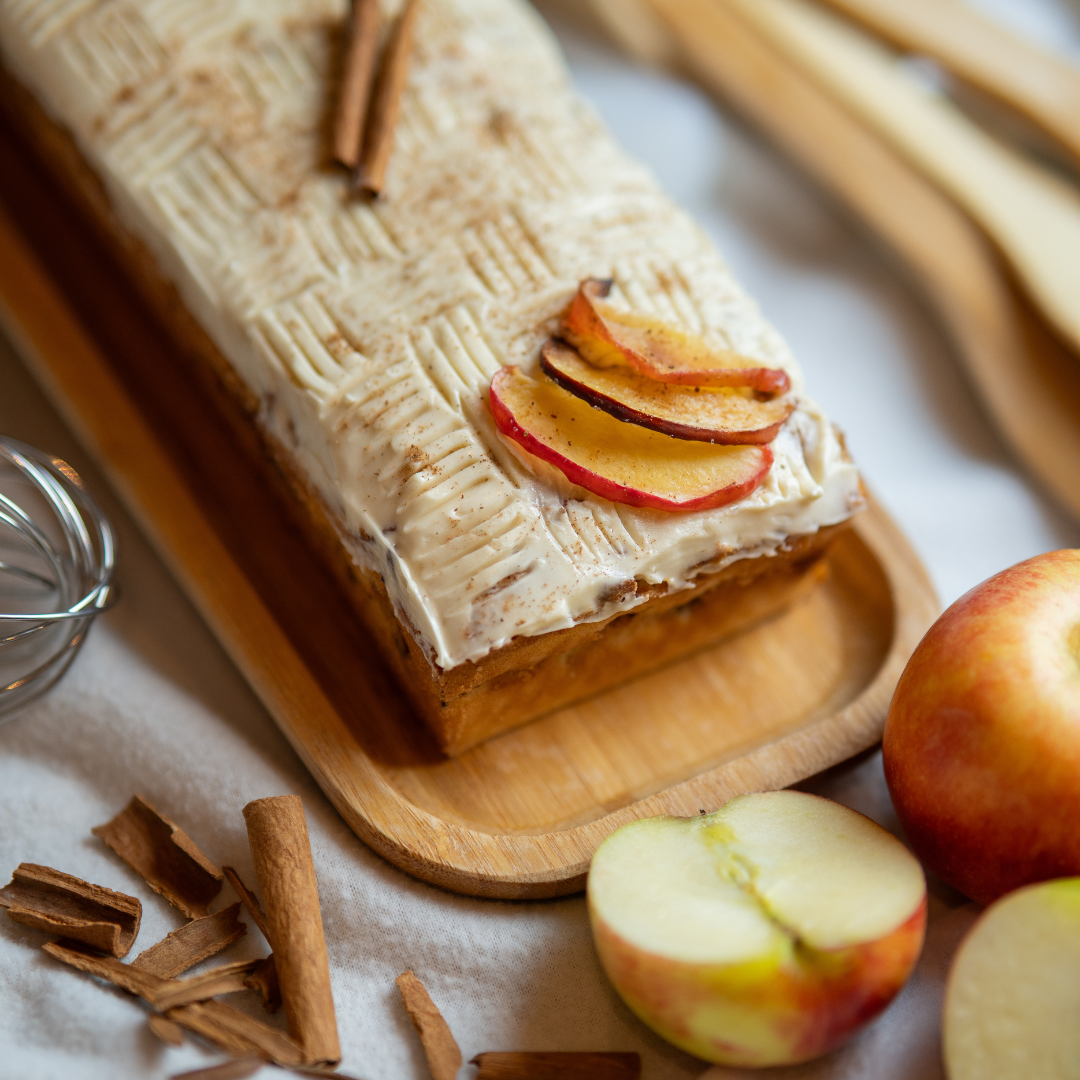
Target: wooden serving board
520,815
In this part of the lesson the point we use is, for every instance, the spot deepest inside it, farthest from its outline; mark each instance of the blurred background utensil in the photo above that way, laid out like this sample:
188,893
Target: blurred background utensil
1031,215
1028,381
1041,86
57,558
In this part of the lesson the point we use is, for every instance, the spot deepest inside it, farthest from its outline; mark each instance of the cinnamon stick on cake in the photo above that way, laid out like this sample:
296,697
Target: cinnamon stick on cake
515,536
355,89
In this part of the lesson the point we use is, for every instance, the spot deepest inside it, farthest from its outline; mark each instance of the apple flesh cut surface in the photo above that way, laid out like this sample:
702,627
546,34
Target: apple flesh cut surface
622,462
766,933
727,415
607,337
982,739
1012,1003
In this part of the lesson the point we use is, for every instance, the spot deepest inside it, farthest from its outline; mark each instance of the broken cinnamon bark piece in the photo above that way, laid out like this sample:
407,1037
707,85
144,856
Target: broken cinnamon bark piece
202,938
163,994
58,903
249,900
281,850
164,855
236,1033
192,943
126,976
557,1066
229,1030
224,979
264,979
237,1069
305,1071
169,1033
440,1048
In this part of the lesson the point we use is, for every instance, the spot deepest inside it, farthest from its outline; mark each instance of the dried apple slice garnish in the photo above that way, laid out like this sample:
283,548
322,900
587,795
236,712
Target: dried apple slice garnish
722,415
622,462
605,336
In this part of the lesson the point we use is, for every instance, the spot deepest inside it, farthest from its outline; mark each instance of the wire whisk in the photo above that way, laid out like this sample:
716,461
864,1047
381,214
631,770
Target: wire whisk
57,558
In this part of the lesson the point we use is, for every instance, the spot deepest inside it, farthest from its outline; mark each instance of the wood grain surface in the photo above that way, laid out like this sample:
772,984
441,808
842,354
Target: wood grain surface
520,815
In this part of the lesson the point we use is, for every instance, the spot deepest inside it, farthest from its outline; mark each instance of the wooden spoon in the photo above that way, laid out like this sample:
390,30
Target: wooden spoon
1040,84
1032,215
1030,385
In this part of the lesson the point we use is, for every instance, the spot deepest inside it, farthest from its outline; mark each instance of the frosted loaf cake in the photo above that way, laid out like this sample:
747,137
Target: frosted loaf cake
363,336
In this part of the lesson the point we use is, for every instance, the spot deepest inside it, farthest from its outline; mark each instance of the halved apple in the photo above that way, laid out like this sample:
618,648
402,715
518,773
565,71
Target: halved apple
725,415
765,933
621,462
1012,1004
607,337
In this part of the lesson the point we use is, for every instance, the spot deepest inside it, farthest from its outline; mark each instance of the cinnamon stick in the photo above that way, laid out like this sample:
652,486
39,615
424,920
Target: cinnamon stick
557,1066
281,850
169,1033
440,1049
58,903
356,81
164,855
192,943
224,979
386,106
237,1069
249,900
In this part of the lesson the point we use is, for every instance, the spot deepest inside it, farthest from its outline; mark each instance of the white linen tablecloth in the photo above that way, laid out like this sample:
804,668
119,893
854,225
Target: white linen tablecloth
153,705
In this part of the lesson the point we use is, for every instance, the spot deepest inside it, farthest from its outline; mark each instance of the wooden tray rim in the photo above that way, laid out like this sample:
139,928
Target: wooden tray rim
79,381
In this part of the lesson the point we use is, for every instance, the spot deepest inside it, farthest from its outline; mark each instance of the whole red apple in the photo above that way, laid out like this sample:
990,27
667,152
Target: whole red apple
982,740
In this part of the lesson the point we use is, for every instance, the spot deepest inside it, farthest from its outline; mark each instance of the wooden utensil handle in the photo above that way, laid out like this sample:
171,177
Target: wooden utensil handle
1041,85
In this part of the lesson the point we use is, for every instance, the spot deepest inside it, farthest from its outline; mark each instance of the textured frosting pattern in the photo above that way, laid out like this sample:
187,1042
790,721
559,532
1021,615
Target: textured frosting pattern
369,332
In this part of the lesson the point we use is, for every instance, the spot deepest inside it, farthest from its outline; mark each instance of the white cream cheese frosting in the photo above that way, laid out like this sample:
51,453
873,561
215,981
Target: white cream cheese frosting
369,332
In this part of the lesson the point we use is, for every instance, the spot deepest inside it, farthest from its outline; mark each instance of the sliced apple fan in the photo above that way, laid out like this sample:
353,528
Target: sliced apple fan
618,461
708,415
605,336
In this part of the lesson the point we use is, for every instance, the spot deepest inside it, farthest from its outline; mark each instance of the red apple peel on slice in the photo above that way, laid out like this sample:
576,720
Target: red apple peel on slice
766,933
605,336
621,462
725,416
